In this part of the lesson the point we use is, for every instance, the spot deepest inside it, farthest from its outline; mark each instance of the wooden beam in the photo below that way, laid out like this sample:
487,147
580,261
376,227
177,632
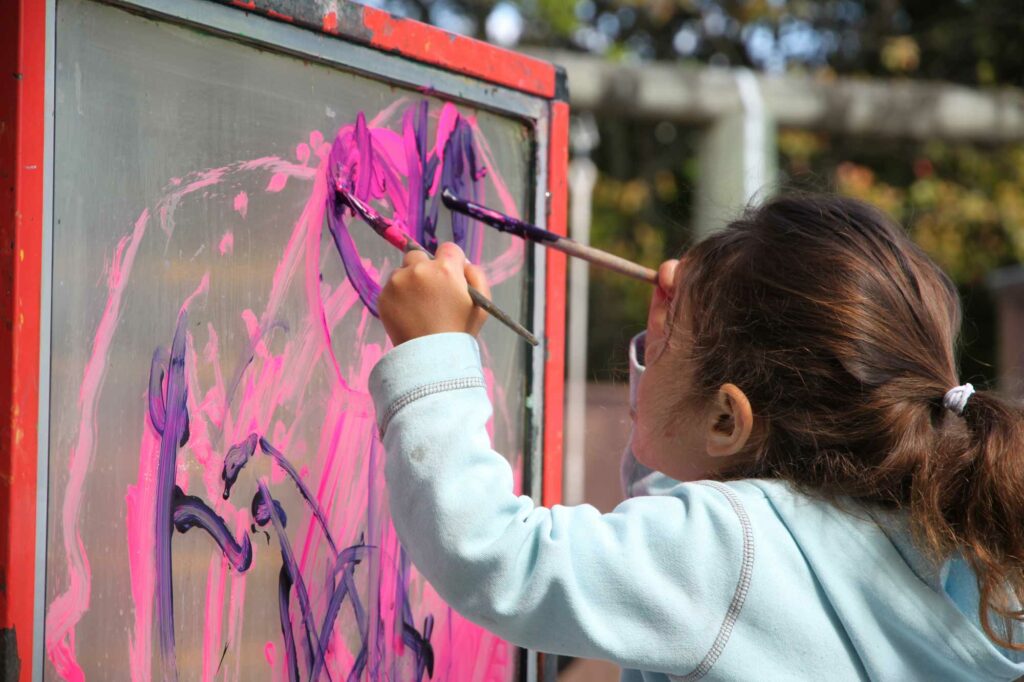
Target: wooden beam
887,108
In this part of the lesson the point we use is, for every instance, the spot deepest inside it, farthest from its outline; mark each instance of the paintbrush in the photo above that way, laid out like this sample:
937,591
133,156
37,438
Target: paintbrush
397,238
546,238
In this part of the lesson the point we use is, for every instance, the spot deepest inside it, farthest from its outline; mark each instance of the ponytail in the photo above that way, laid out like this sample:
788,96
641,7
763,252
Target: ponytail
842,332
969,498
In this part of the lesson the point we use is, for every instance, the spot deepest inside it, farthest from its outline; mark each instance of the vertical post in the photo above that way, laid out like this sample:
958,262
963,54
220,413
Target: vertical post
554,307
737,158
582,178
1007,287
23,51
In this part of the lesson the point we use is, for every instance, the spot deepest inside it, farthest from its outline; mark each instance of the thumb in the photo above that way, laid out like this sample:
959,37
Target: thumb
476,279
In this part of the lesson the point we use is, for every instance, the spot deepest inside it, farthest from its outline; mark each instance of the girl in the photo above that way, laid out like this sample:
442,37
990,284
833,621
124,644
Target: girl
816,496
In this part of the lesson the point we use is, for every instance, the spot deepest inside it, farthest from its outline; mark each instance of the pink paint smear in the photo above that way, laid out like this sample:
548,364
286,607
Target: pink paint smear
305,394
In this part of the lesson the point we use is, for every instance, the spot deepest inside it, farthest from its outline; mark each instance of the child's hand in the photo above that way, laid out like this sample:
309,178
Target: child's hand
431,296
661,301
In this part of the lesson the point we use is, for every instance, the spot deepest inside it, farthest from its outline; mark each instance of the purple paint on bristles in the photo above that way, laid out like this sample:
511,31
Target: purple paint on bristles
387,229
499,221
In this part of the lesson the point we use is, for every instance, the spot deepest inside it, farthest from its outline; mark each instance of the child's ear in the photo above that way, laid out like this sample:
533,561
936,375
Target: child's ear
730,422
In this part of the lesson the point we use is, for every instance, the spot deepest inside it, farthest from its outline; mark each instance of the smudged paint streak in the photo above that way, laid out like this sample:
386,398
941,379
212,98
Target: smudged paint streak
68,607
395,628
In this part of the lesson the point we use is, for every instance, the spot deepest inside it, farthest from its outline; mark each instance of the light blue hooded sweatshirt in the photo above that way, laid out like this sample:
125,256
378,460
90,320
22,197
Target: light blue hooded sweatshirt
745,580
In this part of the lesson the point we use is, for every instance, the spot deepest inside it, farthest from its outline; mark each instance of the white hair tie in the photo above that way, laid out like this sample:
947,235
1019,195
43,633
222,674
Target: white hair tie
956,399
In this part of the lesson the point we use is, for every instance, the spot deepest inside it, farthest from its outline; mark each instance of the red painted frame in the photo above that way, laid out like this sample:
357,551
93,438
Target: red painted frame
22,126
23,86
554,312
416,41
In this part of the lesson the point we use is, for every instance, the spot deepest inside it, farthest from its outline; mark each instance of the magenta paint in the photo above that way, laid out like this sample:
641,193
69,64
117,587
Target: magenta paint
208,416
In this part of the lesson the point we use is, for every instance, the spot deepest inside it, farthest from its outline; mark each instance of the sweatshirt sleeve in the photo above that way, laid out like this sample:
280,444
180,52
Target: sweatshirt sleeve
650,585
636,478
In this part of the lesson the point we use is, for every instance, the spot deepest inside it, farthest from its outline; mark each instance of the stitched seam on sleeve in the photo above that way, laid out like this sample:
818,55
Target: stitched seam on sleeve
738,597
423,392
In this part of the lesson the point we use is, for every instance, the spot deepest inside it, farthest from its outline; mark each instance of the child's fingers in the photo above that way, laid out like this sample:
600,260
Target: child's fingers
667,277
660,301
476,278
414,257
451,257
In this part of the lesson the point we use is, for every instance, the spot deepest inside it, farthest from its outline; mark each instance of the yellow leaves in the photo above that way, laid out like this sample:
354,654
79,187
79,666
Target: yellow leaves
854,179
900,54
858,181
665,187
1009,199
627,197
800,146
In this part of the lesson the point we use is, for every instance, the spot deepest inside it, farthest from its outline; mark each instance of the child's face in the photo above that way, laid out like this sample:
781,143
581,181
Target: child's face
677,434
670,434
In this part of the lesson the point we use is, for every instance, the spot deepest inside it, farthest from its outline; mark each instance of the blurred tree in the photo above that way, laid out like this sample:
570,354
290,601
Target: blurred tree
967,41
963,204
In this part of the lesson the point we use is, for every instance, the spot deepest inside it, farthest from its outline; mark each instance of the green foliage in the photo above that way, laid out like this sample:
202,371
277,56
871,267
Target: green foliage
963,204
558,15
641,206
968,41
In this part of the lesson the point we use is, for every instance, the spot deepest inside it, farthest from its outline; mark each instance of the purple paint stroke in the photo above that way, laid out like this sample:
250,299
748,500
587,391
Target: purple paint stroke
414,134
238,456
174,434
236,459
420,645
261,511
458,172
157,410
191,511
345,565
303,490
368,171
284,589
288,558
374,163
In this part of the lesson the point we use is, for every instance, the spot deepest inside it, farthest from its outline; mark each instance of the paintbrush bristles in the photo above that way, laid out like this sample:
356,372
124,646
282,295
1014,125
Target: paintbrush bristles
397,238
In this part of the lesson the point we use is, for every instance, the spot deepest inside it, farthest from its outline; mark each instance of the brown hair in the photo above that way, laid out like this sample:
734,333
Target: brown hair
841,332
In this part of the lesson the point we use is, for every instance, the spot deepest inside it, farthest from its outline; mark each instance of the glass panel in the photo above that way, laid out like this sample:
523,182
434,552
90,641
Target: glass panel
203,319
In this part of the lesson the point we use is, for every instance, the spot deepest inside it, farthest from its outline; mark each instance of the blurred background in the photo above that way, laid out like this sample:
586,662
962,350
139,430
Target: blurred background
686,110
